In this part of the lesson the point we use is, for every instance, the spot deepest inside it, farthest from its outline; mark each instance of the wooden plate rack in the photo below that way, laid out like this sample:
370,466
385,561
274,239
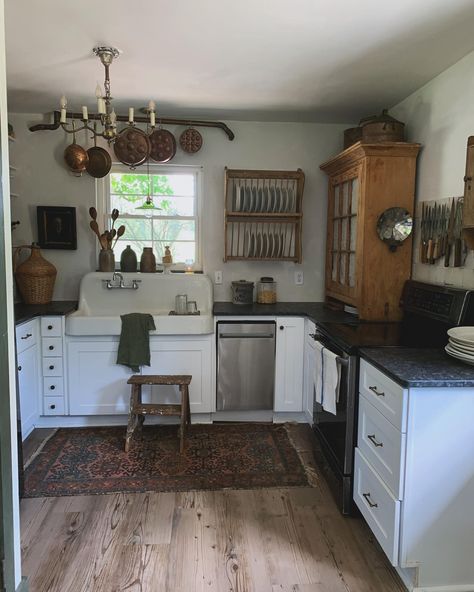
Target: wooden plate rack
263,215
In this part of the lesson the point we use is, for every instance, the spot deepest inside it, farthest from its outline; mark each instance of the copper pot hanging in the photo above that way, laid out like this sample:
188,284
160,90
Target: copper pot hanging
132,146
75,156
163,145
100,161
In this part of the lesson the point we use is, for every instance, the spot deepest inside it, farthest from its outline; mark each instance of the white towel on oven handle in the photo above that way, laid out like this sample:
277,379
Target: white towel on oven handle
327,374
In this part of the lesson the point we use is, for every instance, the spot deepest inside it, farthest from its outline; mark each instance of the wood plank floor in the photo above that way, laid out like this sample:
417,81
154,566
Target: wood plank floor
269,540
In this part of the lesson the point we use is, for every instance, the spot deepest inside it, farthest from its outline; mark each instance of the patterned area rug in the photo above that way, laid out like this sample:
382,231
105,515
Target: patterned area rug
79,461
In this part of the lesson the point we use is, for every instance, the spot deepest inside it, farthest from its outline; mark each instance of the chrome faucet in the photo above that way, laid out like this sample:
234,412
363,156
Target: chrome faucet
112,284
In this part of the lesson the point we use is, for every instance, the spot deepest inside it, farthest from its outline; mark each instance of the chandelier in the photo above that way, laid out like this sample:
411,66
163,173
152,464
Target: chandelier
105,112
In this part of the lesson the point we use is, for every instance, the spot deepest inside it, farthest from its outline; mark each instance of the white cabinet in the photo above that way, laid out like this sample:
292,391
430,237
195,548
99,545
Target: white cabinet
414,480
289,364
308,372
28,375
52,352
97,385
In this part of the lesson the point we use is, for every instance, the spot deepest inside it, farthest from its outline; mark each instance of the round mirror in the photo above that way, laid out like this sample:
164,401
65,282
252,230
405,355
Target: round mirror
394,226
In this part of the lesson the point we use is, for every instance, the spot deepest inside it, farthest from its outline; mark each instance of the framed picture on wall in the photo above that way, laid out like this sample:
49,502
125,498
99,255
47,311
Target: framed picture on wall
56,227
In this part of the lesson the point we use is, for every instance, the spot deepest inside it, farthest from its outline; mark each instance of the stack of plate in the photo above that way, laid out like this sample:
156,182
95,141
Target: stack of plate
461,344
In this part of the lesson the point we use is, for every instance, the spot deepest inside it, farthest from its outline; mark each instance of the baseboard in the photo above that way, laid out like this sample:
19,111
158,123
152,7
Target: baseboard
81,421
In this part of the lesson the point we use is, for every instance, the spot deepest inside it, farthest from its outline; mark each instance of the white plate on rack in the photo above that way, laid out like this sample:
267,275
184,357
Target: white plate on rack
284,200
270,246
263,252
463,335
265,200
252,246
281,252
276,245
238,203
277,200
462,357
253,201
259,199
271,205
246,243
291,201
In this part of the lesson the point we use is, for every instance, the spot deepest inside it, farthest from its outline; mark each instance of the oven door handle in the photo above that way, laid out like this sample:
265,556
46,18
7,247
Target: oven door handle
317,337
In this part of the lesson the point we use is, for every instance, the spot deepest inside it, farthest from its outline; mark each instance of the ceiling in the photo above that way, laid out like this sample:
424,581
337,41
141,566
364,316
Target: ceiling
276,60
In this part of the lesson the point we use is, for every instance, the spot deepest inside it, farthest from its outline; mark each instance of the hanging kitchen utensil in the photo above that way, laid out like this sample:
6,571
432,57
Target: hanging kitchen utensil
132,146
163,145
394,226
190,140
100,161
75,156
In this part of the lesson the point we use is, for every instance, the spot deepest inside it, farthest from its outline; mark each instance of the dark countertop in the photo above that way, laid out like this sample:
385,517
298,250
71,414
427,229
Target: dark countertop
316,311
25,312
420,367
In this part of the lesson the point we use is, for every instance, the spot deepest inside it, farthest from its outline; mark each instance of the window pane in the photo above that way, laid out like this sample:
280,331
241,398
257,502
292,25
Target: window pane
136,245
182,252
173,230
137,229
174,184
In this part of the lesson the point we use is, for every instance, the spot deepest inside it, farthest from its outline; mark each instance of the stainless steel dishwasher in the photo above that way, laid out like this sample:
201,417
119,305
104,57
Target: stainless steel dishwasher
245,365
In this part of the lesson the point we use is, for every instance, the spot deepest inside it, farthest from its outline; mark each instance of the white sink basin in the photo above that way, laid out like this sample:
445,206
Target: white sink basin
100,308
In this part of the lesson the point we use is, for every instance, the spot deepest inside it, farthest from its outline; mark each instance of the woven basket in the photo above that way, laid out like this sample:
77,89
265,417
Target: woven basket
35,277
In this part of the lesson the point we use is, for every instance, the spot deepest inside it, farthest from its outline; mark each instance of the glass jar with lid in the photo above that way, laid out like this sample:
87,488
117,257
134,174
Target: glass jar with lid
266,291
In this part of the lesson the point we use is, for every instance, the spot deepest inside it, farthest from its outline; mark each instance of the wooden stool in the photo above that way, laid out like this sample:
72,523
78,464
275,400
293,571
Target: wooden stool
139,410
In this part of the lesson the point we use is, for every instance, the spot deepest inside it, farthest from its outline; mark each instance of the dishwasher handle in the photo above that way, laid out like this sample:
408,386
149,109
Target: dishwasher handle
246,335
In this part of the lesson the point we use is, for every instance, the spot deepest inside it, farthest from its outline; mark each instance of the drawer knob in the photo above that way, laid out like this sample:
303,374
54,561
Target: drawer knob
50,327
371,437
51,367
375,390
371,504
27,336
281,327
19,368
51,347
53,406
52,387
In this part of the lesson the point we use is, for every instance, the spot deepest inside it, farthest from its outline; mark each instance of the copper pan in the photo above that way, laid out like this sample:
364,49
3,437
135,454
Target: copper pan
100,161
75,156
132,146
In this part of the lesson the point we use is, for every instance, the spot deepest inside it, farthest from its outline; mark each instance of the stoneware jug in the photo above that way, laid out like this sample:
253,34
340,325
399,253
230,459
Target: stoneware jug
35,277
148,261
106,260
128,260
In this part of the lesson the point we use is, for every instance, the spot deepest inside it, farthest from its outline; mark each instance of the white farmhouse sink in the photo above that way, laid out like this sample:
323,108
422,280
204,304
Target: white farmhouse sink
100,308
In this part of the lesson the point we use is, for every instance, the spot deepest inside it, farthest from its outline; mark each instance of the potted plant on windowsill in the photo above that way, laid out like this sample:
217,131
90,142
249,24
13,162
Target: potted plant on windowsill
107,239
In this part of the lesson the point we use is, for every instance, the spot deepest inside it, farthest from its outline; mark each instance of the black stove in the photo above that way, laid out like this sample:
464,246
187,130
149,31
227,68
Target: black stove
428,312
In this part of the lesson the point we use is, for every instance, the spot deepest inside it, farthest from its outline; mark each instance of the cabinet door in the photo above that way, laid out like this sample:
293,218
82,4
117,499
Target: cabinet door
182,357
28,385
343,206
289,364
97,384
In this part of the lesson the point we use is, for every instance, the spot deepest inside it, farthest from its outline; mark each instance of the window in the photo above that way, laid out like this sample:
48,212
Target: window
173,189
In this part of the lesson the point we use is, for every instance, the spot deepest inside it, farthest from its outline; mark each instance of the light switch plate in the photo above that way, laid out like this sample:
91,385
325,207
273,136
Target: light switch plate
299,278
218,277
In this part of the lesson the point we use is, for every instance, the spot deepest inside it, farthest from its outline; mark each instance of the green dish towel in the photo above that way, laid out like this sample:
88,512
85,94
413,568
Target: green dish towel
134,345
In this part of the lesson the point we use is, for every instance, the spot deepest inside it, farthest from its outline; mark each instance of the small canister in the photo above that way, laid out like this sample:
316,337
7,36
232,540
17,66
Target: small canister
266,291
242,292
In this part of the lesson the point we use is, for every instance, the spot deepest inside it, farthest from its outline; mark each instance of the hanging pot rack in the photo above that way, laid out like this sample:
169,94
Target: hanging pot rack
140,119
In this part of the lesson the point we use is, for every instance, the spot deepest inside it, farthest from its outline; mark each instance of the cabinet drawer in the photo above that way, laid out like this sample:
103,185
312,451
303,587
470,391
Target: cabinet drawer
378,506
382,445
52,367
53,406
52,346
26,335
385,394
53,385
51,326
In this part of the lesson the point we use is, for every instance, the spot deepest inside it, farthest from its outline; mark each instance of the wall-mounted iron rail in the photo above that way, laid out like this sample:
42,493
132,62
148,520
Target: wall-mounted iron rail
140,119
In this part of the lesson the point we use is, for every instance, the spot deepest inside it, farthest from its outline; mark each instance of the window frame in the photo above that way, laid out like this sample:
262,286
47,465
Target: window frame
104,209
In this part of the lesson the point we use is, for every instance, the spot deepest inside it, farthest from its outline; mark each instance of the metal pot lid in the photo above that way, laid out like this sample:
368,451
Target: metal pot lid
163,145
100,162
384,117
132,147
190,141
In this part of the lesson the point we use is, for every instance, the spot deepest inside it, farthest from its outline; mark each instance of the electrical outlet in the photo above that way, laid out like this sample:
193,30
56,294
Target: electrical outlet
218,277
299,278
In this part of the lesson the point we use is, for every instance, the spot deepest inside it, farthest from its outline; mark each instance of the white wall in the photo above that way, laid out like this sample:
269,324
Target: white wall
43,180
440,116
